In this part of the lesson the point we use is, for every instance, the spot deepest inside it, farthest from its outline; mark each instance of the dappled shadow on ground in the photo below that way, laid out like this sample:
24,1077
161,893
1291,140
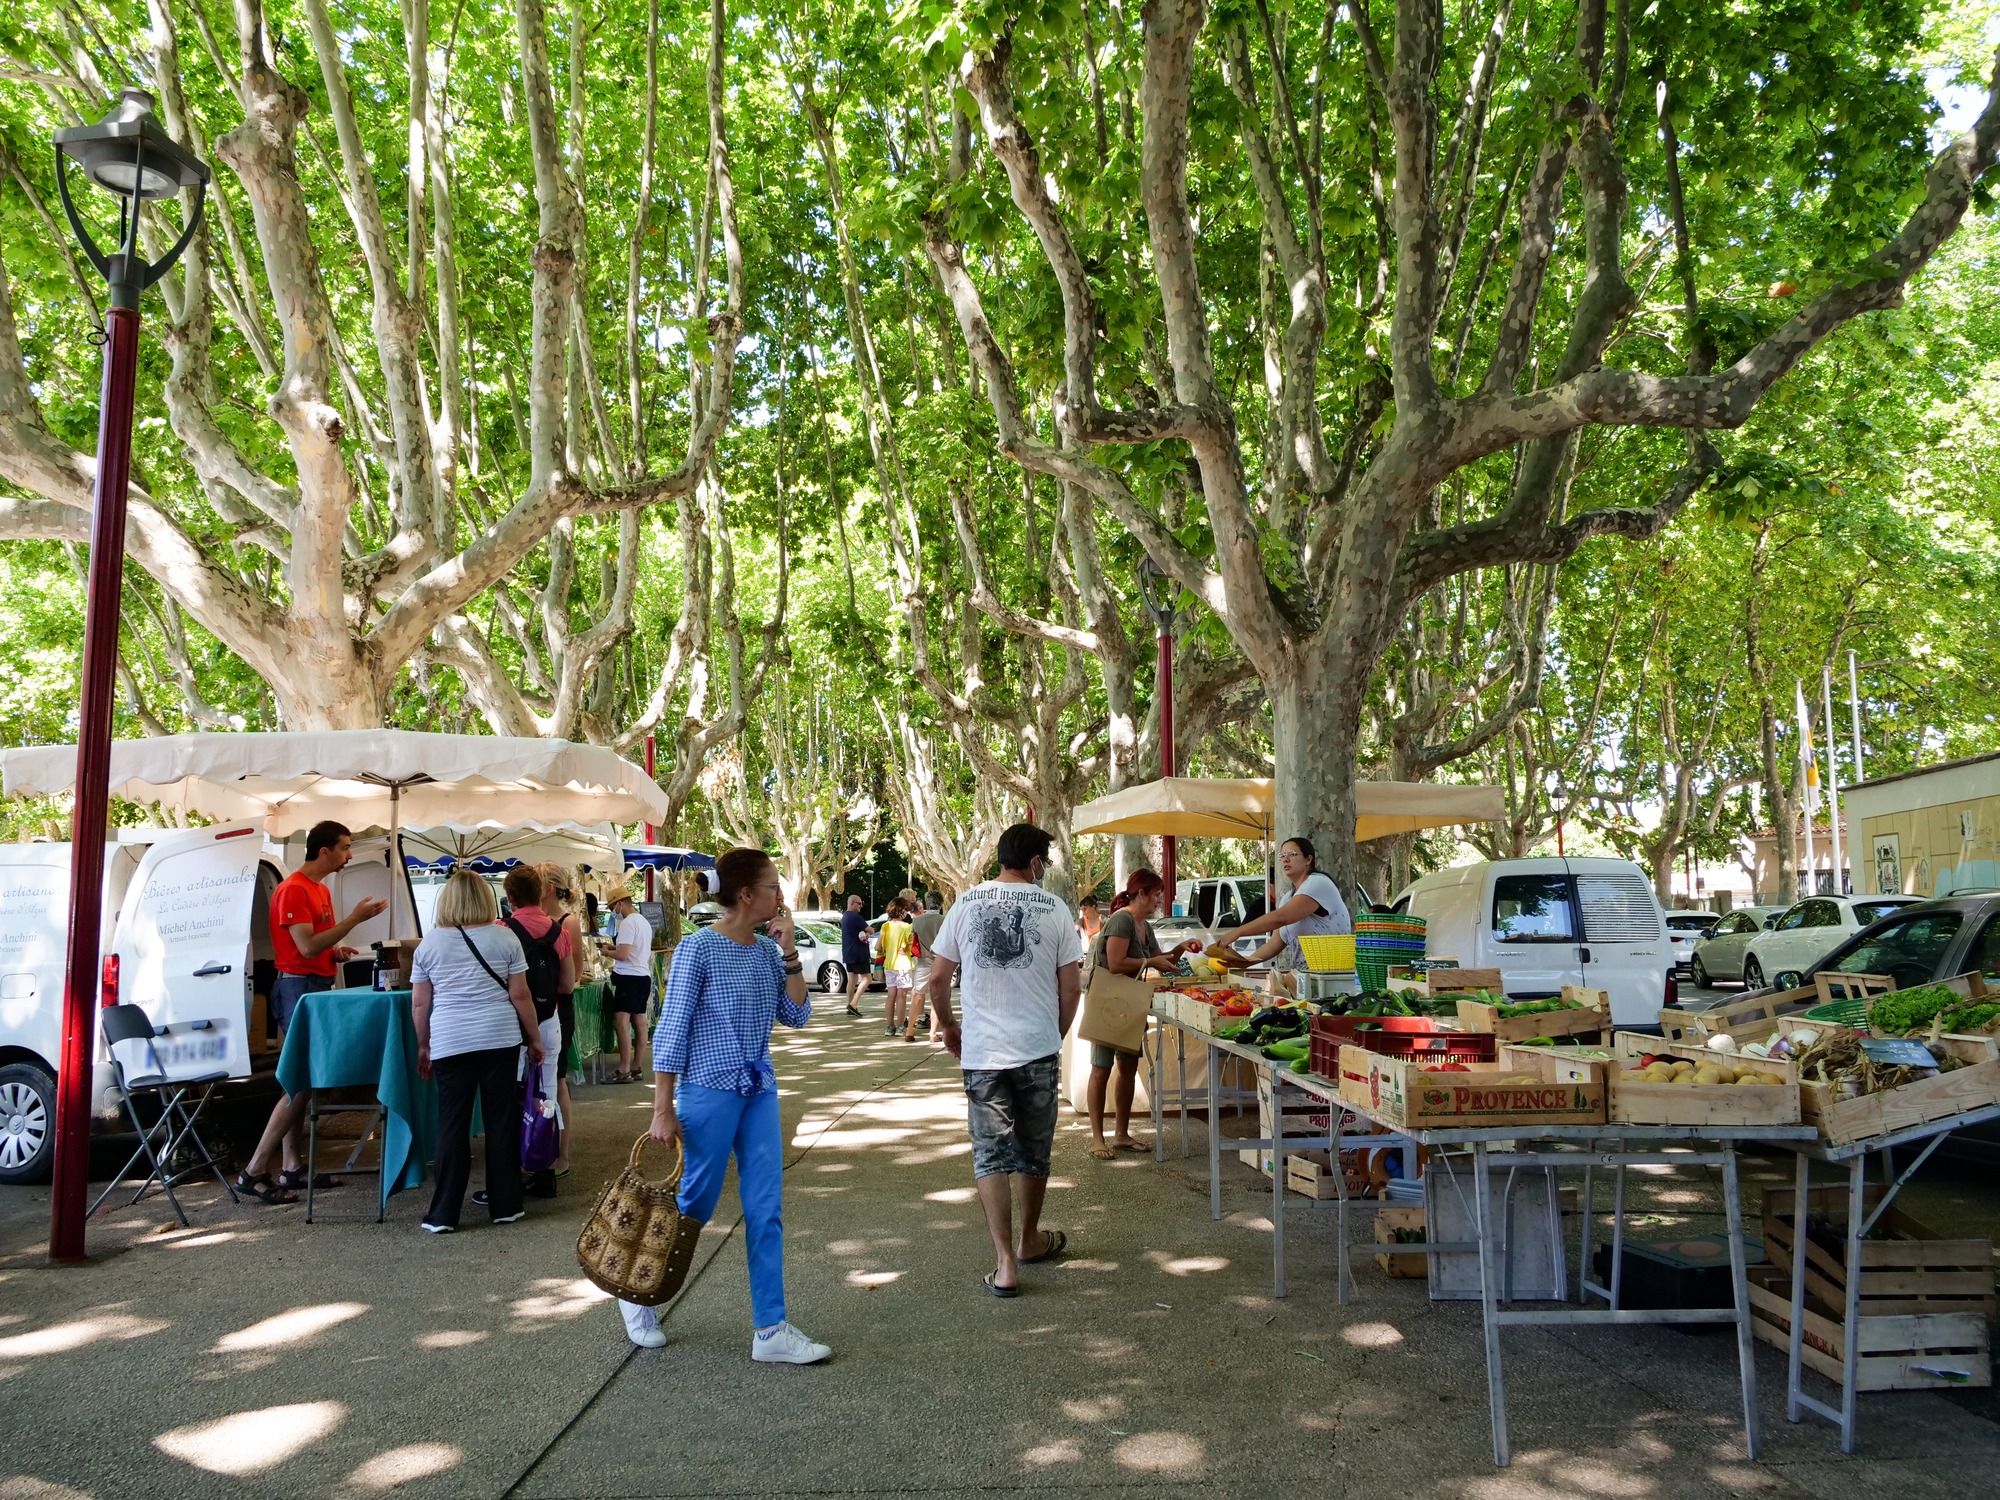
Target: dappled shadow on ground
255,1354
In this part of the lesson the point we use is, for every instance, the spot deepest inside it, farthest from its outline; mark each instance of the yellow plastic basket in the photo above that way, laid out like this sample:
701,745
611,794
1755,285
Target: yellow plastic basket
1328,953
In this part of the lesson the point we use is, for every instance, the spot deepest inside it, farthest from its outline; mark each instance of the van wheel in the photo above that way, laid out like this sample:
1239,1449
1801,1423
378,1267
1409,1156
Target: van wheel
27,1123
1753,974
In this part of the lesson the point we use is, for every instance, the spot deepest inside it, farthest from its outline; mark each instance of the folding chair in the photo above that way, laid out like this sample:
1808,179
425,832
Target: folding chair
138,1069
378,1119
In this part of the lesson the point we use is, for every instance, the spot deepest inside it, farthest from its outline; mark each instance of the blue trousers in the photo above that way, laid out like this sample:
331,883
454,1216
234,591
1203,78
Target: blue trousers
714,1123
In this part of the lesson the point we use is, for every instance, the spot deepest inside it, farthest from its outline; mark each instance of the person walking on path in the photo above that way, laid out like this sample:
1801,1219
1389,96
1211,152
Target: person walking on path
551,970
925,925
1015,950
1314,908
1125,945
717,1093
558,890
631,980
854,951
897,965
469,997
306,942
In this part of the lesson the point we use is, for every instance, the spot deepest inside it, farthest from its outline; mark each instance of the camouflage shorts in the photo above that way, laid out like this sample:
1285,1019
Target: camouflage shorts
1012,1112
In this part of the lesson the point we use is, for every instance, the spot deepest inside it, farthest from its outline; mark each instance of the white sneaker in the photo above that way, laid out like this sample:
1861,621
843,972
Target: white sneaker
785,1345
642,1325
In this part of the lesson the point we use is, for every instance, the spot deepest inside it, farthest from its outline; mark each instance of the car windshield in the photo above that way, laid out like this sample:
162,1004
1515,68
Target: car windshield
1908,951
1874,911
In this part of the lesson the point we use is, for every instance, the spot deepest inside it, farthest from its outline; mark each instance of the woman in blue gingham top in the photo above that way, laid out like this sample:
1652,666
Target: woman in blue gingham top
717,1094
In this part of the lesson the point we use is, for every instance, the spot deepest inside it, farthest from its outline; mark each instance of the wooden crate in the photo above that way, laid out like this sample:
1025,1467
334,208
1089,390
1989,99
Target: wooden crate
1974,1086
1749,1019
1836,987
1631,1103
1403,1093
1445,981
1910,1269
1894,1351
1591,1018
1311,1178
1408,1264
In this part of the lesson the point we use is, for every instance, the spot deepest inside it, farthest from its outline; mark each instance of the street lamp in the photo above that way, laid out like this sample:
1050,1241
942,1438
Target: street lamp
1158,591
129,155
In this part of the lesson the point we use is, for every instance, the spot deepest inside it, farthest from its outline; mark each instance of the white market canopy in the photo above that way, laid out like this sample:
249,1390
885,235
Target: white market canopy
1244,807
596,846
365,778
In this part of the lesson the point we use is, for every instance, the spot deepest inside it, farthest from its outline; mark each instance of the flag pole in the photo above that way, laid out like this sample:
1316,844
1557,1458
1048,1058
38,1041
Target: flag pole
1832,774
1808,774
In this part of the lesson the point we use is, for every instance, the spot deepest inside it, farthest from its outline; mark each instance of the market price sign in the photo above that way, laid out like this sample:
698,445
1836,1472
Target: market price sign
1897,1052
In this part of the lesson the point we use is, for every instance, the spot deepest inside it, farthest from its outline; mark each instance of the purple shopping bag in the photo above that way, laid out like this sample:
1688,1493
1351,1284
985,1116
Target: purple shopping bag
540,1144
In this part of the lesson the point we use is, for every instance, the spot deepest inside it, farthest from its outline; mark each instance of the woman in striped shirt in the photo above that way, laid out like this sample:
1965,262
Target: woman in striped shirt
717,1094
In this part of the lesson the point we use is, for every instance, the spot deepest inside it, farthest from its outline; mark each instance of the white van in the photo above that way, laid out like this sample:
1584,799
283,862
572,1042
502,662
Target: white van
187,919
1221,902
1545,923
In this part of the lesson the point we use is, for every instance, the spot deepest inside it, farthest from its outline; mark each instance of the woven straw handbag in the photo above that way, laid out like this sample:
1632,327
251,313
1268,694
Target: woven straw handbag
637,1244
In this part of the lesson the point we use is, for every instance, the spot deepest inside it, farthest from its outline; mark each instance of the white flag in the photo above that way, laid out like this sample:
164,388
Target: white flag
1808,762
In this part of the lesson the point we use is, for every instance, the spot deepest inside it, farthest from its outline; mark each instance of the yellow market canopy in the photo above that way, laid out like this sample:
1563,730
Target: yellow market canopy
1242,808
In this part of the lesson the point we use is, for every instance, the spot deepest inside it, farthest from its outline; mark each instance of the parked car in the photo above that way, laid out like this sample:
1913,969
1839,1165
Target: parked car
1684,930
1718,954
1809,930
1221,902
1918,942
819,956
1545,923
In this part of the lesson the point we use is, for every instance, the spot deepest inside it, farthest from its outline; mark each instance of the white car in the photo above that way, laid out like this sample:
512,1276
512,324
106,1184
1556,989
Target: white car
1684,930
1718,954
1809,931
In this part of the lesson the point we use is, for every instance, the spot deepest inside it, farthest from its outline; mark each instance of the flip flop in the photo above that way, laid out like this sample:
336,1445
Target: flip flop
1132,1146
1055,1242
996,1289
1102,1153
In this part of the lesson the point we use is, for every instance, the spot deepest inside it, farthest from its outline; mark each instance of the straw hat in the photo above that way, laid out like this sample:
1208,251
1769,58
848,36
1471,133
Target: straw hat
615,892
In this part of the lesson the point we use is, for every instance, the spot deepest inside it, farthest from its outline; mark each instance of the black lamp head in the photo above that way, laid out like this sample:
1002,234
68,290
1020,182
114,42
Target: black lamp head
129,149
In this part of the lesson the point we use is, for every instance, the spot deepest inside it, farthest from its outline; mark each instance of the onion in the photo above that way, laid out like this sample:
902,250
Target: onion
1722,1042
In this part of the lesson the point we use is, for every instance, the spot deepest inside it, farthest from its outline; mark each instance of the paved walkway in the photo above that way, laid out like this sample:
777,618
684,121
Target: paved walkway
258,1355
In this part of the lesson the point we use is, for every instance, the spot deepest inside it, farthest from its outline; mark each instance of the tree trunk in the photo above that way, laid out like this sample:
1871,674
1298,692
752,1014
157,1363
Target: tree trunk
1315,736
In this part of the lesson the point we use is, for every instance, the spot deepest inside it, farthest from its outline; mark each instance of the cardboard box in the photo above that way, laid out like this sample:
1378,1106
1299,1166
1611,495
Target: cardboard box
1404,1094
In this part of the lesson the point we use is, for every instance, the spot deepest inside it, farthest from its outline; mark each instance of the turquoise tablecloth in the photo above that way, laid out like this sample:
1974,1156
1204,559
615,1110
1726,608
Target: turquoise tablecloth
340,1038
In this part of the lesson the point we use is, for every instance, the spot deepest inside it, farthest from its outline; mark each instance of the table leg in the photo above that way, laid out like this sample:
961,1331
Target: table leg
1586,1202
1344,1277
1277,1185
1618,1239
1156,1036
1214,1138
1746,1350
1496,1391
1857,1181
1180,1089
1802,1186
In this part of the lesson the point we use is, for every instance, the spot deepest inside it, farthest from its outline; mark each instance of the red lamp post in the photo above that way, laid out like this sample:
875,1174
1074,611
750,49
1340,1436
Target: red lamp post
129,155
1158,591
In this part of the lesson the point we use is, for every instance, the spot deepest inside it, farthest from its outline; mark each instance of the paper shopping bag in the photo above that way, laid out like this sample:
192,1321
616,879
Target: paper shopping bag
1115,1010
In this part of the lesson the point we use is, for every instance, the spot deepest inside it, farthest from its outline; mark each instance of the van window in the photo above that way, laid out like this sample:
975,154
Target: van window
1533,909
1985,956
1204,904
1618,907
1253,900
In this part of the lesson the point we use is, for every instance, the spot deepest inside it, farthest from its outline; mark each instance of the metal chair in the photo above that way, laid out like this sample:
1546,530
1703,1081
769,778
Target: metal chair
138,1069
378,1119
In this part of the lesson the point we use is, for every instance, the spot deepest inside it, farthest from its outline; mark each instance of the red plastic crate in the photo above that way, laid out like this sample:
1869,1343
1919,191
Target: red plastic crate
1414,1037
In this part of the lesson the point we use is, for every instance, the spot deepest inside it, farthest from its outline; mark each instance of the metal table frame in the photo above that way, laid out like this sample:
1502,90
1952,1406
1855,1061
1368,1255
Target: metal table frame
1584,1147
1860,1220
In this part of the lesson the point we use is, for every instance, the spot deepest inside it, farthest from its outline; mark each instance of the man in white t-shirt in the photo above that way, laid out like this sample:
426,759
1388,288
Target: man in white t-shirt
1016,954
631,981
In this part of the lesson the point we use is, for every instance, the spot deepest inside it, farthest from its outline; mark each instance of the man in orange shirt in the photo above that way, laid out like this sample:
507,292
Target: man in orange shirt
305,940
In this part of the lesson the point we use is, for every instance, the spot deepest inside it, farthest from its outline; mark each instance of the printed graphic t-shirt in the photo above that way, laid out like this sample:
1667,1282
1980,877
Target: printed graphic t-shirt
1009,940
300,898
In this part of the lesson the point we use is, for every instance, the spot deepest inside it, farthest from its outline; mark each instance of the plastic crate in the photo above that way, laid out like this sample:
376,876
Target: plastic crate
1398,1036
1328,953
1851,1013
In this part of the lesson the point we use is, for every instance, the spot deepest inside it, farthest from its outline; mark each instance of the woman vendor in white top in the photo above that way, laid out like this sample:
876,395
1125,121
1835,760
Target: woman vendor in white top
1314,908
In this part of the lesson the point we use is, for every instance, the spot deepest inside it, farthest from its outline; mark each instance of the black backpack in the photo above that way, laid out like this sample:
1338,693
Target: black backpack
544,974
